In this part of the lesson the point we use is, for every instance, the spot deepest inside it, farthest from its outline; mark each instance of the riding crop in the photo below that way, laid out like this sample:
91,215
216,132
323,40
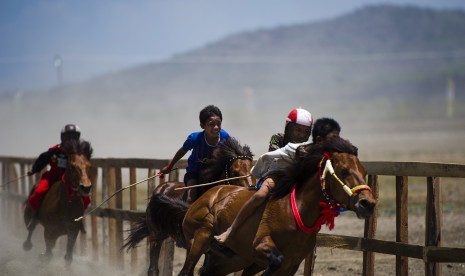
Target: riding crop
211,183
13,180
120,190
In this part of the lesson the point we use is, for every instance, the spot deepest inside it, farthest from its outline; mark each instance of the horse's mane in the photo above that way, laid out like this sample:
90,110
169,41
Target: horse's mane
306,164
222,155
78,146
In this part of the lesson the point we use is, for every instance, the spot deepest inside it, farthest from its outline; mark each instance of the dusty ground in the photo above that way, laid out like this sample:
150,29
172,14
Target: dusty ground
336,262
330,262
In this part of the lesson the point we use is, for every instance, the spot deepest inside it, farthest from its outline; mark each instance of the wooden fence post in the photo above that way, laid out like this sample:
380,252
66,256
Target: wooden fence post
433,222
402,221
370,229
133,207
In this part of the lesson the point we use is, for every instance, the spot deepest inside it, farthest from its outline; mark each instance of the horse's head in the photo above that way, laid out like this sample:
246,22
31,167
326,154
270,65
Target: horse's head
343,179
77,171
230,160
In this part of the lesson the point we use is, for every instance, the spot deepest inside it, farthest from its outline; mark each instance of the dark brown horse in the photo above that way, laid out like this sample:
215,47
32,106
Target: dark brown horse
307,196
229,160
63,202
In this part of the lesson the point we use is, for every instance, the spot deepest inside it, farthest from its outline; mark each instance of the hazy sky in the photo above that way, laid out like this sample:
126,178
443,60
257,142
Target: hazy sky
97,37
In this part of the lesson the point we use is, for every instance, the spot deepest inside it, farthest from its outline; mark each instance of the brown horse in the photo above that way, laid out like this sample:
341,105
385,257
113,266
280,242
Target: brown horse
63,202
326,178
229,160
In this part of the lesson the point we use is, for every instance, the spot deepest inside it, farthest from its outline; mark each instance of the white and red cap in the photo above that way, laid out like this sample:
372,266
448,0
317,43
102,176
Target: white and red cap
300,116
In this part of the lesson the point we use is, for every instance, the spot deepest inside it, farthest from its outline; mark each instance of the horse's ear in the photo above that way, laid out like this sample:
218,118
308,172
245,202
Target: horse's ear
86,148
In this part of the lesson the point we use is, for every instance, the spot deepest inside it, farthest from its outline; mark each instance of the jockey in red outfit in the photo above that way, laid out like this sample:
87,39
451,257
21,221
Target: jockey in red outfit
57,159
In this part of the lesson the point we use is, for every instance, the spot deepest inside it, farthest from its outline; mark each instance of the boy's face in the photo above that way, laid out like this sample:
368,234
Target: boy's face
300,133
212,126
332,134
68,137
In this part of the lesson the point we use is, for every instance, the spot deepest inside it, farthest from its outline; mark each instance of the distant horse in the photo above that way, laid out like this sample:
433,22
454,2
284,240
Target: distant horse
229,160
63,202
326,178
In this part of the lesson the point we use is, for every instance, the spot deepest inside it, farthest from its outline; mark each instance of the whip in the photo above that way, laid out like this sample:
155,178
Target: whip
211,183
120,190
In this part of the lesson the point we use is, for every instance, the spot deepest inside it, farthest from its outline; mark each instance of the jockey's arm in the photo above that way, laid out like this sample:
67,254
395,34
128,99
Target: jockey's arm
41,162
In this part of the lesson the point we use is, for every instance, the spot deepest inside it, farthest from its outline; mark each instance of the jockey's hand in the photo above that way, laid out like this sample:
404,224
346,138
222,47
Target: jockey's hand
29,173
165,170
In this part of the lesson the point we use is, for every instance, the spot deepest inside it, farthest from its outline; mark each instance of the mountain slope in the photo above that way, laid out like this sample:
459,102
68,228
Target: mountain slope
376,51
381,71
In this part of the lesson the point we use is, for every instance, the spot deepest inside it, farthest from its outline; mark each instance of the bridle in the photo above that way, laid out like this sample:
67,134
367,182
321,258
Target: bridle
329,209
328,168
230,161
70,181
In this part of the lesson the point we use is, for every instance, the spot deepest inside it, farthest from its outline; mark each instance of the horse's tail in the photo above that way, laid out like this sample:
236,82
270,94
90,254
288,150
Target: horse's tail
166,215
139,232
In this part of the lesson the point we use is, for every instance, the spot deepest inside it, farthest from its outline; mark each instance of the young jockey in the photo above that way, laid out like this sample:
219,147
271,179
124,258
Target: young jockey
270,162
57,159
297,129
202,144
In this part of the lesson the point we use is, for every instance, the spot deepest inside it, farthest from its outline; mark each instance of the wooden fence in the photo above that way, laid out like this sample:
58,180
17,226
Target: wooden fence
106,225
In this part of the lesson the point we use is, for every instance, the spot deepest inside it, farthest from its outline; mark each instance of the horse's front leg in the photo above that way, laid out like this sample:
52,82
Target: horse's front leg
266,252
72,236
198,246
27,245
50,238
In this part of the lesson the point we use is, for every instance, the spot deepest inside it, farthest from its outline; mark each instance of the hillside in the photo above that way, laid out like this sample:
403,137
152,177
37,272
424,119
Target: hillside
379,50
370,69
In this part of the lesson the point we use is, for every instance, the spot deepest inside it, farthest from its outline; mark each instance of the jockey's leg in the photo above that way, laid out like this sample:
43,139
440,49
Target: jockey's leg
190,195
36,197
257,199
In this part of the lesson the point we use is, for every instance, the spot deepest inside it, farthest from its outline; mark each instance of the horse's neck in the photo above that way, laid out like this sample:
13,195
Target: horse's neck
51,201
308,197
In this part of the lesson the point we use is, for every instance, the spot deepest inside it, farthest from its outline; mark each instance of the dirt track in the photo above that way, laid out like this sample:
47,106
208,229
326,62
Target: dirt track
336,262
329,262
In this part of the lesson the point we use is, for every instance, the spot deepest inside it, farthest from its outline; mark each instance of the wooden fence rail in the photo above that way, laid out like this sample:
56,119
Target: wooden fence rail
107,224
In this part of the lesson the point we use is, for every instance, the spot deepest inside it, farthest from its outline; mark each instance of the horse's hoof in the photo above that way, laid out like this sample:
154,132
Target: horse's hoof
68,259
153,272
27,245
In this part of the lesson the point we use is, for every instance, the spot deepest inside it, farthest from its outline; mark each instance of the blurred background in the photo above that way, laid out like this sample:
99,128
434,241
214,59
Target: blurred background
135,74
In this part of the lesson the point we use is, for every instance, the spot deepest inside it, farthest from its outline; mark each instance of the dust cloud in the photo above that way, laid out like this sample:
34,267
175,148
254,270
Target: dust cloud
15,261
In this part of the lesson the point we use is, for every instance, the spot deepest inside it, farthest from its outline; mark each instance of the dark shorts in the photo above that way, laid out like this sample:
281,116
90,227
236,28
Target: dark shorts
190,175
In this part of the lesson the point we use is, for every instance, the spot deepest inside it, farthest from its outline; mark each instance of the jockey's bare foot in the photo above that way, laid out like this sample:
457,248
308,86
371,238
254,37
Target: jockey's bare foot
221,239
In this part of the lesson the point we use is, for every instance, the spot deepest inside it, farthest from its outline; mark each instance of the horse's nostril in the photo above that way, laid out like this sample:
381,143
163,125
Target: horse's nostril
365,204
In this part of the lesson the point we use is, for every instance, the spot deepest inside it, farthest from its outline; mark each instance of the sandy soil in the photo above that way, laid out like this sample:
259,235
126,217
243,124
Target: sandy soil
329,262
336,262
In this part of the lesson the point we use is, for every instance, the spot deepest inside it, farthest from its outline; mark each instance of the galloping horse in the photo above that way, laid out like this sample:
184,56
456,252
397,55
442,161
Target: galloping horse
327,178
63,202
229,160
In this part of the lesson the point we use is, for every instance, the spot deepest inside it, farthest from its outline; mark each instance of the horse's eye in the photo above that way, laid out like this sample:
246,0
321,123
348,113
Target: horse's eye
345,173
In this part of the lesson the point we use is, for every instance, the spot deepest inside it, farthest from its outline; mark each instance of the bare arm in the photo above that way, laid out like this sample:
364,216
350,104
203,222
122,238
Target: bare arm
179,154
